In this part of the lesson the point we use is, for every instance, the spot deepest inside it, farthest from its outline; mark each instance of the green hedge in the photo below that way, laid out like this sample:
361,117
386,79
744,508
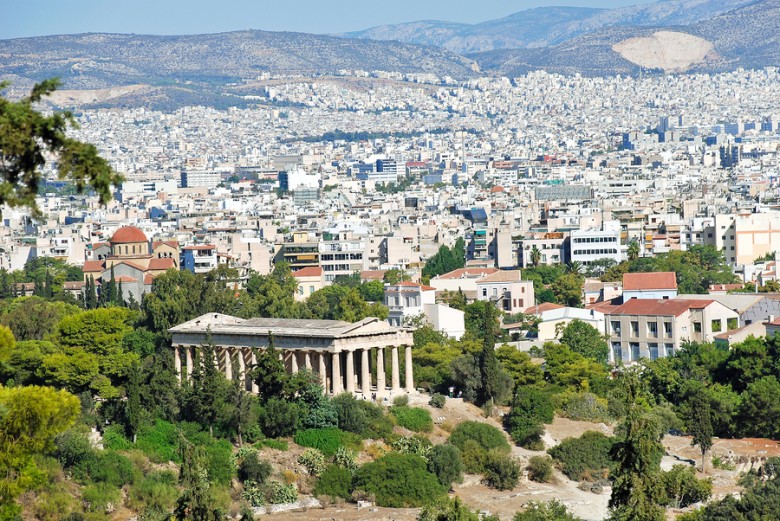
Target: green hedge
334,482
486,436
415,419
328,440
585,458
399,481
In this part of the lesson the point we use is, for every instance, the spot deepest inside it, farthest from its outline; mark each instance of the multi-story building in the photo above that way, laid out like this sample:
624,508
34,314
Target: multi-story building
507,291
200,179
309,280
652,285
644,328
592,245
200,258
407,300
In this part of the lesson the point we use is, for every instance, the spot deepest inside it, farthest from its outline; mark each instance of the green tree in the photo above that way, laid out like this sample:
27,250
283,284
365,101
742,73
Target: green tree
633,250
759,413
449,510
197,502
445,463
700,424
568,289
488,363
31,418
133,407
27,137
638,456
536,256
585,339
551,511
394,276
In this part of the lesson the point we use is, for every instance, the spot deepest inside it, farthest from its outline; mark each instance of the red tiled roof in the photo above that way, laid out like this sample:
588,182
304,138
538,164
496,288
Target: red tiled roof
372,275
725,287
541,308
93,266
148,279
310,271
200,247
128,234
605,307
468,273
664,307
172,244
162,264
650,280
502,276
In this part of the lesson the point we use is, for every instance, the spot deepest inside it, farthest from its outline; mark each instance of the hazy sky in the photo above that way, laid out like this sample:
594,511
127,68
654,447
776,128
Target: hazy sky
20,18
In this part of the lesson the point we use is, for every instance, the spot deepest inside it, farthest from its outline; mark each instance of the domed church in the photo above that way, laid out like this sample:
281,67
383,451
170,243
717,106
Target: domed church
132,260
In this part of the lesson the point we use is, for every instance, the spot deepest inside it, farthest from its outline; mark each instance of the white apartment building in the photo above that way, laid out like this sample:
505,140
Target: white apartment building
592,245
745,236
409,299
200,179
507,290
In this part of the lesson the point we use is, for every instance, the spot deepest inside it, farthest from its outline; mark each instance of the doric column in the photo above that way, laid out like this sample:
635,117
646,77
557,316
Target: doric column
409,375
336,373
294,361
307,360
227,354
381,384
323,369
255,387
188,353
242,366
177,361
396,376
365,373
350,372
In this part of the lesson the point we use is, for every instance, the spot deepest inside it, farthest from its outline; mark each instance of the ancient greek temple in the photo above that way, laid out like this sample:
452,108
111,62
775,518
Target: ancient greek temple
347,357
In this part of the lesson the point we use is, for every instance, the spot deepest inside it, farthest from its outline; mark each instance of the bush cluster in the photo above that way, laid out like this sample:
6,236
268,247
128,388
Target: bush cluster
415,419
585,458
327,440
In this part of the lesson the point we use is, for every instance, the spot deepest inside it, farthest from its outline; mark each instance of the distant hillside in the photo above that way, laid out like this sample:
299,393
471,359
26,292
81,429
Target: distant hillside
547,26
745,37
203,62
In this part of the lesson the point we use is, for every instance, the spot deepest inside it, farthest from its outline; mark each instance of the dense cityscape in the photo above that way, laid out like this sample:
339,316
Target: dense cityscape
393,295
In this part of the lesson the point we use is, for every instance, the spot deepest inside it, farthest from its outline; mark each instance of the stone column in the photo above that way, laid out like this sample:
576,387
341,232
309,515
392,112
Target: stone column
242,366
307,360
323,369
227,354
409,375
396,376
335,371
255,387
350,372
188,354
381,384
294,361
177,361
365,373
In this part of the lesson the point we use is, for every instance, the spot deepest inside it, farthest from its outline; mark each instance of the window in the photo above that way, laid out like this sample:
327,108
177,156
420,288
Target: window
653,348
495,292
732,323
300,290
634,328
634,351
652,329
669,349
717,325
697,327
615,327
667,329
484,292
617,352
311,290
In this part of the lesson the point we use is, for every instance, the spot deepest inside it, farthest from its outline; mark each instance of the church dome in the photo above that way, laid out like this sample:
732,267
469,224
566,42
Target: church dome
127,234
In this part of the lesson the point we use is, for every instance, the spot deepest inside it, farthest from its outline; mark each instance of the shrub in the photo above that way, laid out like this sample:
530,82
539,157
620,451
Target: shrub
279,493
540,469
313,461
274,444
221,463
253,494
445,463
399,480
73,449
112,468
335,481
584,407
413,418
551,511
159,442
114,438
501,472
156,491
486,436
418,445
345,458
101,497
531,408
327,440
473,456
279,418
252,468
351,416
584,458
401,401
682,488
437,400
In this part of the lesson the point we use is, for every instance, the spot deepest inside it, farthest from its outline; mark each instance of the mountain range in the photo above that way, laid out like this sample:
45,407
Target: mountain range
171,71
547,26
